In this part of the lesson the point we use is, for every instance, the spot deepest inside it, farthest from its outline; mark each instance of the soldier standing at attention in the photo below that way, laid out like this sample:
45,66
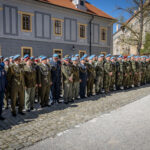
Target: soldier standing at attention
7,93
56,78
147,70
23,62
113,77
94,59
107,73
44,79
144,67
83,77
11,60
77,56
76,78
94,62
126,75
133,70
6,62
16,82
85,56
30,84
3,82
99,74
37,91
67,73
130,71
91,76
136,76
119,69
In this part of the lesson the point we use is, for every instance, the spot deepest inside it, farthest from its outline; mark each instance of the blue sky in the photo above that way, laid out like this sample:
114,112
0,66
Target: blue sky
110,7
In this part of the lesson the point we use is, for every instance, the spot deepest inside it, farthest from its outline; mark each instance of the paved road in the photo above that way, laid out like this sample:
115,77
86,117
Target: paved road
127,128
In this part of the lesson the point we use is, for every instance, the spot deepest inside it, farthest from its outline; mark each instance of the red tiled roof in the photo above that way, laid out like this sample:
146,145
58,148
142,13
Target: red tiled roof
97,11
90,8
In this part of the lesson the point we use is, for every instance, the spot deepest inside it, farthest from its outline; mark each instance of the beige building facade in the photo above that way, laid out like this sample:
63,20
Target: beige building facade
122,39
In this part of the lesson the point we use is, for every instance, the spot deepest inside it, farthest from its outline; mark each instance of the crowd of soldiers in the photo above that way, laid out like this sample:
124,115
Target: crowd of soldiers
26,80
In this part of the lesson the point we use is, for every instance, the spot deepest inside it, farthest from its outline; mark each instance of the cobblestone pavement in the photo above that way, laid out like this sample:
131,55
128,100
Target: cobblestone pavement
20,132
126,128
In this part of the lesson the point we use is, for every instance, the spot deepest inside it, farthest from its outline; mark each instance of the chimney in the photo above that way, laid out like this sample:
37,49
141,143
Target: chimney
117,27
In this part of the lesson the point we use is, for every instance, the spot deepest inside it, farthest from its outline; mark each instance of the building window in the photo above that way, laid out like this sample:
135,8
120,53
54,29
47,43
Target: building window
26,50
58,27
81,53
103,34
59,52
26,22
82,2
82,31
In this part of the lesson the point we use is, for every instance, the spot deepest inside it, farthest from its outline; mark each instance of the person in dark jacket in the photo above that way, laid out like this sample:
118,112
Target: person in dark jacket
3,82
83,78
56,78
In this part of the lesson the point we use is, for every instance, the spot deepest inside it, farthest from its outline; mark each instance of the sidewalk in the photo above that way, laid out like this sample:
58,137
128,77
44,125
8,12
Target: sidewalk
127,128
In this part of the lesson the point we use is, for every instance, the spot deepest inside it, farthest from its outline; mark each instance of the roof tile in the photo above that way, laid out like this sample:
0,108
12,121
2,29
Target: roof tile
90,8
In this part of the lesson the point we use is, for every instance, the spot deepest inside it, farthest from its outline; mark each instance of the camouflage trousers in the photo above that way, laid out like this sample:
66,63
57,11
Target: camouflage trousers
29,98
75,90
6,99
119,79
143,77
67,91
113,81
99,84
148,76
17,91
107,82
136,78
44,94
126,80
131,79
90,83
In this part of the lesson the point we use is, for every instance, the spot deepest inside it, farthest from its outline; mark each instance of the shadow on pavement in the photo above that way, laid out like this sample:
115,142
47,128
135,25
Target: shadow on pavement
11,121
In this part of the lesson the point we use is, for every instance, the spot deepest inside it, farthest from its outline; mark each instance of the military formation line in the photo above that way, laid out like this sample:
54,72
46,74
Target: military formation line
24,81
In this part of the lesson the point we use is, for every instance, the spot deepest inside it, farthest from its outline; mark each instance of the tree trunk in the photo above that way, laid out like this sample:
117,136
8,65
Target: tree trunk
141,21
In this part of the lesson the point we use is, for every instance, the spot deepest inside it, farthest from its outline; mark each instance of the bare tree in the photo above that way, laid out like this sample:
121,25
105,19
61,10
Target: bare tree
139,12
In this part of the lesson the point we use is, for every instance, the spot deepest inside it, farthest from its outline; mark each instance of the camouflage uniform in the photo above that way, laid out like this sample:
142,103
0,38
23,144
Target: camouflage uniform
133,70
91,77
67,73
99,76
148,72
44,79
16,83
126,77
143,79
107,76
113,77
30,84
76,81
137,72
7,93
119,70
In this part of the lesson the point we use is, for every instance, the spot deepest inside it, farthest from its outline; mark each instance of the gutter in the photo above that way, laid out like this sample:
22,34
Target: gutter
90,23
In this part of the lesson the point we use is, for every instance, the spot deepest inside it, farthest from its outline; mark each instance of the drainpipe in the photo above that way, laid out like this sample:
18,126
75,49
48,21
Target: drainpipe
90,50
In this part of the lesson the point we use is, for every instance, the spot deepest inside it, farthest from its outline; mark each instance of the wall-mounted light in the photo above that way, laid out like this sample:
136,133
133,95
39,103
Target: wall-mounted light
73,48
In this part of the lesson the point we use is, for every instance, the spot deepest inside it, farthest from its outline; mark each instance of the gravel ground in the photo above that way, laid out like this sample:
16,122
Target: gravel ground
48,122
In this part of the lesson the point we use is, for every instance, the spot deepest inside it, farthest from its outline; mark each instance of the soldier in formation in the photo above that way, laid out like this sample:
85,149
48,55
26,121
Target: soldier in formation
23,80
